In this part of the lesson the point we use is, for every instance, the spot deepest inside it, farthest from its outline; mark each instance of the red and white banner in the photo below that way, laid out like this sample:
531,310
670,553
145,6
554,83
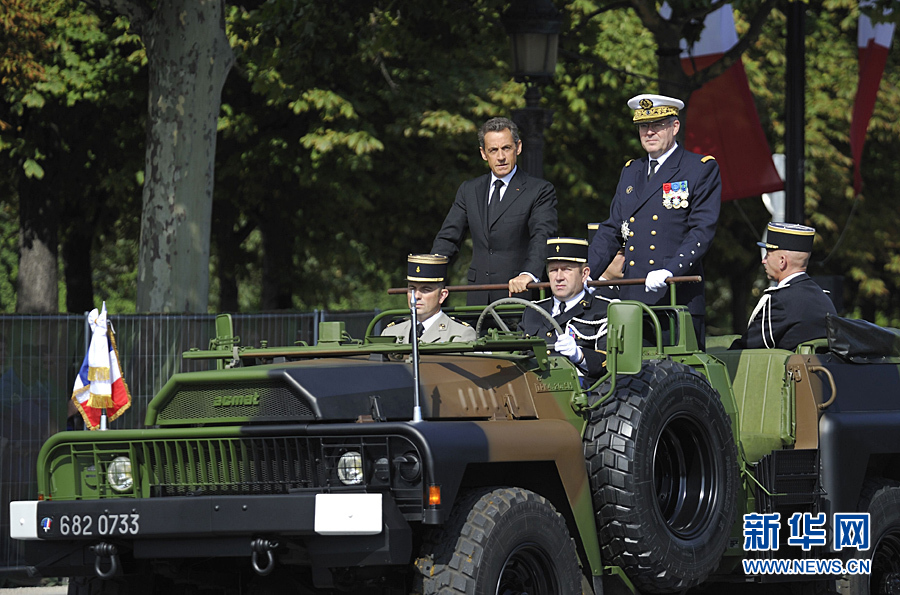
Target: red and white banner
873,42
99,384
722,120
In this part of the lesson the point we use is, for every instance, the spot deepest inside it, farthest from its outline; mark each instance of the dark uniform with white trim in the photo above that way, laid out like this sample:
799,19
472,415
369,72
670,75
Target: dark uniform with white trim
793,313
586,320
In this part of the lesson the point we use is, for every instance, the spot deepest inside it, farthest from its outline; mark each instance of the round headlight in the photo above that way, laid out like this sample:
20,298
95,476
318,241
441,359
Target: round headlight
119,474
349,469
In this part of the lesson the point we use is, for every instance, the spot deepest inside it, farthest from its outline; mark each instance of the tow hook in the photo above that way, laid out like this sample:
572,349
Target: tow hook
103,550
263,546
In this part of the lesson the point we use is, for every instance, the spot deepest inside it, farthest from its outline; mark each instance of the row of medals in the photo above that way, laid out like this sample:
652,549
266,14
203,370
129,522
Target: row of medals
675,203
676,197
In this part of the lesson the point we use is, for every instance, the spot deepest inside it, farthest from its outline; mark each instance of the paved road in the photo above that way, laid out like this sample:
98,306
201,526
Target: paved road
60,590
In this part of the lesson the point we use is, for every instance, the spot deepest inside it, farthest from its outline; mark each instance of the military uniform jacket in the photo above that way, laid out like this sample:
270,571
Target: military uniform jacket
787,316
587,318
658,233
444,330
512,242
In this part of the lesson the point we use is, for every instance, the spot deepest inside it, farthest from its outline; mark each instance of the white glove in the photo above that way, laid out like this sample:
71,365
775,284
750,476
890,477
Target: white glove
656,280
565,345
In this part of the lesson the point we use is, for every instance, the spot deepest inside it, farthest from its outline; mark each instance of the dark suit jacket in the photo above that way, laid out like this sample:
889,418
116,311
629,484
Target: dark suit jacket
794,313
661,236
514,241
591,308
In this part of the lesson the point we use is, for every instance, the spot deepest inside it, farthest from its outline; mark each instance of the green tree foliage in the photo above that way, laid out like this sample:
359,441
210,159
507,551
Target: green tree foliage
69,145
347,134
346,128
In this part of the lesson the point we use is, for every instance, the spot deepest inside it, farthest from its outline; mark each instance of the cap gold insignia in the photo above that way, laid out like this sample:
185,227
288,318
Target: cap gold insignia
646,103
418,269
557,249
629,190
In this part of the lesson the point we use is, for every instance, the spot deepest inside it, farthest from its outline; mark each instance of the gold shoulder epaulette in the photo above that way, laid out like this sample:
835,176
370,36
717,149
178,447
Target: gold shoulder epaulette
629,162
707,158
391,324
462,322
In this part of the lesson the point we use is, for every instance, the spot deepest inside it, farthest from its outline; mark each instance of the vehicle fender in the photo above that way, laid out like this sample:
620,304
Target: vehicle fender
847,441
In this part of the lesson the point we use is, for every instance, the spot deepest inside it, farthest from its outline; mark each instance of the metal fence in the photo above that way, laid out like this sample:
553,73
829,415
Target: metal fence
41,355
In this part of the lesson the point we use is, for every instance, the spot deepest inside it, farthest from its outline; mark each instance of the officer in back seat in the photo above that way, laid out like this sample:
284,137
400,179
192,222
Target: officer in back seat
793,311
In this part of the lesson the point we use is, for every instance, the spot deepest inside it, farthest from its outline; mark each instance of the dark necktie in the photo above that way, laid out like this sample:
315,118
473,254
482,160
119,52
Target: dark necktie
494,200
653,164
420,328
562,308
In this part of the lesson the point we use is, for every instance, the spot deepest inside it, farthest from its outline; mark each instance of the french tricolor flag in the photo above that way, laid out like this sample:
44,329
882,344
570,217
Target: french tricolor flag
873,42
99,385
722,120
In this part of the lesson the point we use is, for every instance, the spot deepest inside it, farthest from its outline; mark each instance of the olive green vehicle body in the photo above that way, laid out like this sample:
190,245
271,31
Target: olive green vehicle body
216,470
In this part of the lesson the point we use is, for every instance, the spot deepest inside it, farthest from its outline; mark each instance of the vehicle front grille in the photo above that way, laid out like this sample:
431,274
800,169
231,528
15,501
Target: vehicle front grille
231,466
223,466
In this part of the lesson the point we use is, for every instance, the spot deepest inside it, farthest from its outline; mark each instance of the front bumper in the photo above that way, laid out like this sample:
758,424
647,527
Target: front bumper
332,529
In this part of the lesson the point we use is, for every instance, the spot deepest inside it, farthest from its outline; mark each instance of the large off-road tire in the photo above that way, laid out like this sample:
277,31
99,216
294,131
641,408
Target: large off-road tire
505,541
664,477
881,499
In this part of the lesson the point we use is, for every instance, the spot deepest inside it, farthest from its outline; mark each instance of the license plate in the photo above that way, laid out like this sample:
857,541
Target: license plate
348,514
91,525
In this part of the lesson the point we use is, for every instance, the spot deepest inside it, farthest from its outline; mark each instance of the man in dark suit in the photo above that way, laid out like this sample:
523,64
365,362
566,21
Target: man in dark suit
793,311
666,208
582,315
509,214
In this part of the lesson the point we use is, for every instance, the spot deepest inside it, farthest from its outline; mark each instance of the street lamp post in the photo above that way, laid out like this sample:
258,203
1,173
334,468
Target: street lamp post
533,28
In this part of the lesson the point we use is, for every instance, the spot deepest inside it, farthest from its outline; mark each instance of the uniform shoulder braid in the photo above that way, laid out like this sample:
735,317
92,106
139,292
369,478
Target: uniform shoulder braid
458,321
629,162
707,158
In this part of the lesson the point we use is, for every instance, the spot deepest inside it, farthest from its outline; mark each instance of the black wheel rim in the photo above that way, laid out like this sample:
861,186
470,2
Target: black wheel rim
885,577
684,476
527,570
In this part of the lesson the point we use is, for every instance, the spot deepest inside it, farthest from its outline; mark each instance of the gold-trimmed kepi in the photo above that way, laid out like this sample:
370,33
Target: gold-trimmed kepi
426,268
571,249
592,231
649,108
788,236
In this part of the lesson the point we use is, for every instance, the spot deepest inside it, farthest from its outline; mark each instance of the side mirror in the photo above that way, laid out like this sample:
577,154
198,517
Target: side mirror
624,337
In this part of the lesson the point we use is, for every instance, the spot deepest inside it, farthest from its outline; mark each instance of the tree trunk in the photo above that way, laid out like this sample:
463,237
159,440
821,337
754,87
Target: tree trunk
37,291
278,245
76,253
227,244
189,59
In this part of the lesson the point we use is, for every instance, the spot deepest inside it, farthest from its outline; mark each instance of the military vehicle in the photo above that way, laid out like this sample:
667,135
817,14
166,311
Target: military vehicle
365,466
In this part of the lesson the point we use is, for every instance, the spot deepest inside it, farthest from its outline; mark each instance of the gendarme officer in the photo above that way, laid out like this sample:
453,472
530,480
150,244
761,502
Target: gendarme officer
792,311
581,315
426,274
666,208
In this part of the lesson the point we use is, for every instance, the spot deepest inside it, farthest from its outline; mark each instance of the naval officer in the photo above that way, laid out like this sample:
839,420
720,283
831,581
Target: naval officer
666,207
426,274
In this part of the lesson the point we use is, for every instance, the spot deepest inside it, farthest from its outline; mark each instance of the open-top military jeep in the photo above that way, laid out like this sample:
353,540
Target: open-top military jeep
365,466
